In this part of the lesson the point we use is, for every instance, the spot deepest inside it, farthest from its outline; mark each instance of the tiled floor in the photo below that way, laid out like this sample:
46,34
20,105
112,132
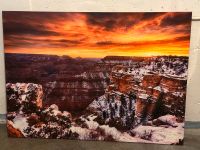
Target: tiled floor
192,142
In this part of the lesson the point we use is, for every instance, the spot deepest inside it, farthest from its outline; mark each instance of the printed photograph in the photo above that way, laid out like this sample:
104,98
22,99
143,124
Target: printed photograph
97,76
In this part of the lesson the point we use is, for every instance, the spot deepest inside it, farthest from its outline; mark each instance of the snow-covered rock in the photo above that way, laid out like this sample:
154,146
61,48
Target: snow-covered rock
13,131
171,133
24,97
115,108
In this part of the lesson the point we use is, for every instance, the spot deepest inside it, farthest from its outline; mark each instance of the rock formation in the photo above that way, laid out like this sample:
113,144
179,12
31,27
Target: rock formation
25,97
153,91
75,94
12,131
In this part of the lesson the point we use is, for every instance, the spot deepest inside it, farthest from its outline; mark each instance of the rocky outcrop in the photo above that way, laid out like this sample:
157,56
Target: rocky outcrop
24,97
44,123
151,80
49,123
114,109
165,128
12,131
123,83
156,94
168,94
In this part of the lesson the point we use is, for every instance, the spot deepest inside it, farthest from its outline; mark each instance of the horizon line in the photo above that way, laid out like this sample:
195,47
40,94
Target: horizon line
97,57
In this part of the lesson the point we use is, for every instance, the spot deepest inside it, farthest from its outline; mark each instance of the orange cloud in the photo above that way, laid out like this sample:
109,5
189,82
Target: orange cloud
97,34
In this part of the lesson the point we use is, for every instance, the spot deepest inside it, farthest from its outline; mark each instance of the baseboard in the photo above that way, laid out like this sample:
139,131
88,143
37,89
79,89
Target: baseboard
192,124
2,118
188,124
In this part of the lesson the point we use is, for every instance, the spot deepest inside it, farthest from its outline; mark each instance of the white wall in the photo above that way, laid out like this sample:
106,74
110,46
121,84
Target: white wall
193,95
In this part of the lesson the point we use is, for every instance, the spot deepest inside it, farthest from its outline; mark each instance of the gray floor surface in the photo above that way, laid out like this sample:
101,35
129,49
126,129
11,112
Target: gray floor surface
192,142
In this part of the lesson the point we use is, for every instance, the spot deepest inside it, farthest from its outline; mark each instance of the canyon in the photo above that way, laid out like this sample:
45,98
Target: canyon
125,95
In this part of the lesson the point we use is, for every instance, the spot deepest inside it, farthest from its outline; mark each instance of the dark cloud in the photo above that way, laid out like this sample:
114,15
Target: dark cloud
33,42
183,38
103,20
22,28
176,19
151,15
39,17
104,43
63,43
111,21
32,23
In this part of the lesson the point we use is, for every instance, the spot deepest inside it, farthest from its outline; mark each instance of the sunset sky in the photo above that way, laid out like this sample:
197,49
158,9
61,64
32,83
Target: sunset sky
96,35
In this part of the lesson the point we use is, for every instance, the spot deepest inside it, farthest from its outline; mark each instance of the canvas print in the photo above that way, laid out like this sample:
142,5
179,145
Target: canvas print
97,76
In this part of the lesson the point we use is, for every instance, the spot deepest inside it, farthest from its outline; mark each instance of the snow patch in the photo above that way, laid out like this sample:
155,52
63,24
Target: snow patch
20,122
